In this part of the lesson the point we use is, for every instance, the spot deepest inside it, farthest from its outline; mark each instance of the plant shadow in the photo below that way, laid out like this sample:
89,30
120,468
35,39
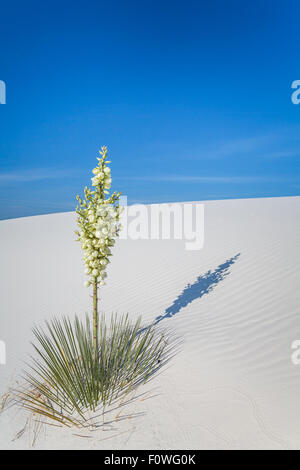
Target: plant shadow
203,285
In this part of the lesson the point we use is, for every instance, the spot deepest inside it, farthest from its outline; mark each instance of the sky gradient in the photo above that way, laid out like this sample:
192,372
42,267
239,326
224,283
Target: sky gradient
193,100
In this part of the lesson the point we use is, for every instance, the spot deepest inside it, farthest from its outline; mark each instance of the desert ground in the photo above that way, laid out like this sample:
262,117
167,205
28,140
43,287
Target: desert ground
235,305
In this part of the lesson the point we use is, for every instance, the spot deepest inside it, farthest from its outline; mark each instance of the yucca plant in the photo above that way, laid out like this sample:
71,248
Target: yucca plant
67,380
81,366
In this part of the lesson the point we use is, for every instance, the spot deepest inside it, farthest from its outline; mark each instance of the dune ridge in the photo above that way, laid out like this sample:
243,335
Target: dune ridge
235,304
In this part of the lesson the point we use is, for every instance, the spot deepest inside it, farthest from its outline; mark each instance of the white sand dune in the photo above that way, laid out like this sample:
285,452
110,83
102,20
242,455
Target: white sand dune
235,304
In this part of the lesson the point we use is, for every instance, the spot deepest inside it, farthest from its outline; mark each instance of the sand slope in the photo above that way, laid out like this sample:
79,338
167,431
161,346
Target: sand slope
235,304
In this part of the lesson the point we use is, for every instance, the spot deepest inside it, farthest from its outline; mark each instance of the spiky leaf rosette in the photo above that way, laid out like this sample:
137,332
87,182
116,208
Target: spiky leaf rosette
98,221
67,380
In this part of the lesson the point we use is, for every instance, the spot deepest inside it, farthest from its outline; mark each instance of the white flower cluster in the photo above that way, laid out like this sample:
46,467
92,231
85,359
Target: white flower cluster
102,176
98,220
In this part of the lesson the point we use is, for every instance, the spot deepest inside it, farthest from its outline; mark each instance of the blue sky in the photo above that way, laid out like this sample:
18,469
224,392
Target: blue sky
193,100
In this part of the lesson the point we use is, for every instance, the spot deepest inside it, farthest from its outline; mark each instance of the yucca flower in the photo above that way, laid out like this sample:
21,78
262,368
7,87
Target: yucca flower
98,220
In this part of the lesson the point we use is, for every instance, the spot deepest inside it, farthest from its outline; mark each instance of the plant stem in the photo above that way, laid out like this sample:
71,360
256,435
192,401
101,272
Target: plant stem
95,316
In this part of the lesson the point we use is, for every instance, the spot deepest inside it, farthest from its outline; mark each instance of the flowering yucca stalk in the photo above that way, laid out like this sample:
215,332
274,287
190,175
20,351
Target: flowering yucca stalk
98,220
